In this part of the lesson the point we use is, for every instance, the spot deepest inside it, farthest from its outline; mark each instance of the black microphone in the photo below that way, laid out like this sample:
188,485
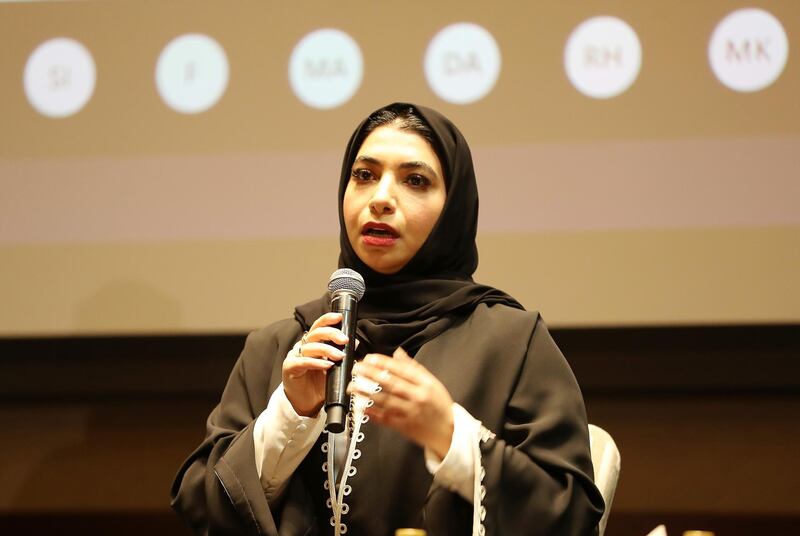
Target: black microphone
346,287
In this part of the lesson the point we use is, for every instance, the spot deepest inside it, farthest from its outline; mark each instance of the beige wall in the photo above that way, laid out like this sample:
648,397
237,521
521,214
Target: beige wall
575,278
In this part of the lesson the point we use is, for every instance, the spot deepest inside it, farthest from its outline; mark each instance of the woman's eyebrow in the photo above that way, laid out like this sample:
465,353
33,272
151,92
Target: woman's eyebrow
420,164
368,160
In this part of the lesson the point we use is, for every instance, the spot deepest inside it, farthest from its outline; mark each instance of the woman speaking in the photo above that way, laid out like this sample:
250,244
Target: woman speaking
466,419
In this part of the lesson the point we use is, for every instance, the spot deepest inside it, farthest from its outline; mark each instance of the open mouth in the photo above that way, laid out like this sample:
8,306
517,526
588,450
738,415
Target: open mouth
379,230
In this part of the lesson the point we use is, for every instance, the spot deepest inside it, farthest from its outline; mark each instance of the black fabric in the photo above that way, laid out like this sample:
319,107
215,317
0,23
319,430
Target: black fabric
538,470
435,288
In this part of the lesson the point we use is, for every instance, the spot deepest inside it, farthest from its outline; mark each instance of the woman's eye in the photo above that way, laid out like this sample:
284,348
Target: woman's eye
418,181
361,174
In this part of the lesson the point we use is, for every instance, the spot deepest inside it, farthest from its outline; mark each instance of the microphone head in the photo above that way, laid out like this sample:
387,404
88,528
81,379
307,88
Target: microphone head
347,280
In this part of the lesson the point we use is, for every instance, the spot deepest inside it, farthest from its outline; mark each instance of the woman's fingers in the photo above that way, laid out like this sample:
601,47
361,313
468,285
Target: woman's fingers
381,376
410,400
322,350
328,319
314,342
398,391
303,365
402,367
402,355
299,365
325,333
303,371
384,402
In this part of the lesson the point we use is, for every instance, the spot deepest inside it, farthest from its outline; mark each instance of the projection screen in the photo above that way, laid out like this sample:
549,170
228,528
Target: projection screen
171,167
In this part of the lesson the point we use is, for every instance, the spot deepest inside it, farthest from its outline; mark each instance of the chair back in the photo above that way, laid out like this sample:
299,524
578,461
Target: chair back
606,461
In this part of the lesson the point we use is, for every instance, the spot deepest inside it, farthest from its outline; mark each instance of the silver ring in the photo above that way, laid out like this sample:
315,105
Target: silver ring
303,340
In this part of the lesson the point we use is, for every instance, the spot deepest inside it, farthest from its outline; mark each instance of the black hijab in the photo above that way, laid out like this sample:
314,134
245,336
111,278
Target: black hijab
435,289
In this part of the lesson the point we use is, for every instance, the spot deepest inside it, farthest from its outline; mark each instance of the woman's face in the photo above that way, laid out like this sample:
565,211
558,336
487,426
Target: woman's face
395,195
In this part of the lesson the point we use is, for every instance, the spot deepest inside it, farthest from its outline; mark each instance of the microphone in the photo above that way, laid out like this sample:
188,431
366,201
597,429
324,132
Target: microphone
346,287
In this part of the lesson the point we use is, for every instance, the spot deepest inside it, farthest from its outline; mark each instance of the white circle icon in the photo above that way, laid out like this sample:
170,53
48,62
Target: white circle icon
462,63
59,77
326,68
603,57
192,73
748,50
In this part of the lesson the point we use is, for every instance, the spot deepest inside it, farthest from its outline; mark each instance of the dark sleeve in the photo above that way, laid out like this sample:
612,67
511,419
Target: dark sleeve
217,489
538,468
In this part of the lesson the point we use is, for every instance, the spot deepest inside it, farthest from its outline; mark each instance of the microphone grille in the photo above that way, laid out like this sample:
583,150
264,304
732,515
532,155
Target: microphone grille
348,280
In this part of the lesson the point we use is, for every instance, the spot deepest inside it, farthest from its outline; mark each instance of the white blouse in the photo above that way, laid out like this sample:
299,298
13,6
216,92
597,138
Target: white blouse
282,438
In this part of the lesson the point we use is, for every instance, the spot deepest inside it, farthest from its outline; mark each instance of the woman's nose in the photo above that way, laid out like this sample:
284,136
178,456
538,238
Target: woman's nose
383,201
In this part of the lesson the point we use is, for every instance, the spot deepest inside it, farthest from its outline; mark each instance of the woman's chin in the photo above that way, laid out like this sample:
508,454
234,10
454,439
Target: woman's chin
381,264
384,270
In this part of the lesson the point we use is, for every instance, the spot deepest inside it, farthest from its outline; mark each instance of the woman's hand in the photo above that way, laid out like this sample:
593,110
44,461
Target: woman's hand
411,400
304,368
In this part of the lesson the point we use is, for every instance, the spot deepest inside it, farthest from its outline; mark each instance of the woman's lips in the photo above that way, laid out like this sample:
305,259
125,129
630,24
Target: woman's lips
372,240
378,234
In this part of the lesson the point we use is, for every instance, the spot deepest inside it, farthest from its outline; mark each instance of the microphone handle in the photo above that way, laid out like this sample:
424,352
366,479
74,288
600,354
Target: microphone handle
337,401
